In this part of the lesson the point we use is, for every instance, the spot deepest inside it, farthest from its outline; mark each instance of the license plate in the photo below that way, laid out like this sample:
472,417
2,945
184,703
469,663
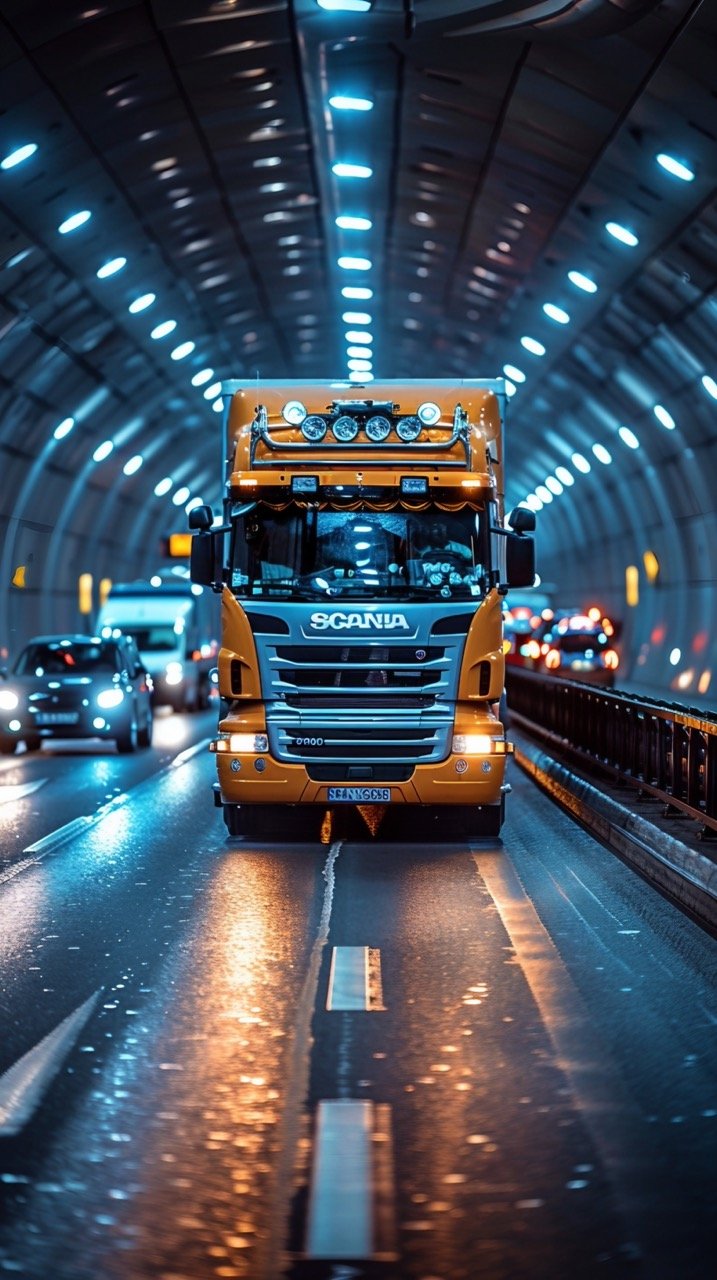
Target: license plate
57,717
360,795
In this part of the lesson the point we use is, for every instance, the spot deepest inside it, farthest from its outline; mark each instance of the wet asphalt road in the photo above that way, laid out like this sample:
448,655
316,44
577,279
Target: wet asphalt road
528,1088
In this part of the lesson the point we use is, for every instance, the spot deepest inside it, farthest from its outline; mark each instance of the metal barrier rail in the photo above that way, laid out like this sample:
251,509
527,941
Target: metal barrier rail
657,747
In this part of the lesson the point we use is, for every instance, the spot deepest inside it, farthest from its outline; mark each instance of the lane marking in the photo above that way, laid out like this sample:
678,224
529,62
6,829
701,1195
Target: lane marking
611,1117
23,1085
291,1137
15,791
355,980
184,756
77,825
340,1199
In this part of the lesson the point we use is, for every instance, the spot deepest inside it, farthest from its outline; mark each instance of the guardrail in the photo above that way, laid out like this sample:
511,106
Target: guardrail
661,748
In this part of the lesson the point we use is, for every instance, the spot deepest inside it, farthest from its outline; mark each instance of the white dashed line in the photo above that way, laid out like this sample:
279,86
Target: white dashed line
23,1085
355,979
17,791
340,1205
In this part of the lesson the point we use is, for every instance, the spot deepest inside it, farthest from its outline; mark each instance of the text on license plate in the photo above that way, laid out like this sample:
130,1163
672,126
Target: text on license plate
360,795
57,717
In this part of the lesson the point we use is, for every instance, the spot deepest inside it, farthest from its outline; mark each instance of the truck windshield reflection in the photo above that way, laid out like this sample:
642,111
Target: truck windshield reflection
402,555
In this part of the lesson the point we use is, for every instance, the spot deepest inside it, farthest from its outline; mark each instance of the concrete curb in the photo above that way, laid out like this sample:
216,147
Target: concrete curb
686,876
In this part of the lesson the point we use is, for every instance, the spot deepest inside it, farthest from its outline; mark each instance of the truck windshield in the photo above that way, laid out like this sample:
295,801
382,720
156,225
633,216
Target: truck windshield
400,554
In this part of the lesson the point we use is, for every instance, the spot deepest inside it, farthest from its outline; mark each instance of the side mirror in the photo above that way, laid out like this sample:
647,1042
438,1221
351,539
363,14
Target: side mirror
520,559
201,518
206,560
522,519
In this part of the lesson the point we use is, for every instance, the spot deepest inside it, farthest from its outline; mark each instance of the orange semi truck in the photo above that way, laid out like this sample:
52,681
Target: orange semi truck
362,557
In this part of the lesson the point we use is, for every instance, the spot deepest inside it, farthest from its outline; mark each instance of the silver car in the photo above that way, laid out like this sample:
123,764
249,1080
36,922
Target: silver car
76,686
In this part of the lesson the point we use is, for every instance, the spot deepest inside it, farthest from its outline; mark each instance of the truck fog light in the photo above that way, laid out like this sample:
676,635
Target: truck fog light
174,673
260,765
14,725
240,743
108,698
8,700
99,723
293,412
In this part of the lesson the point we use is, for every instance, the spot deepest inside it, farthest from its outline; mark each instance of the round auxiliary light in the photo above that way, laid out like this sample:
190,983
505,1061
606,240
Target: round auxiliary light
345,428
429,413
293,412
378,427
409,429
313,427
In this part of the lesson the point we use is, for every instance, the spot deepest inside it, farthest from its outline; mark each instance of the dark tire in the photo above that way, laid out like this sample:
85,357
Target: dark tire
257,821
8,746
144,735
488,820
33,743
127,741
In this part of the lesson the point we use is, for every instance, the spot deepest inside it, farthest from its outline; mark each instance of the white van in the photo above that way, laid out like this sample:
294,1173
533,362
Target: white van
171,626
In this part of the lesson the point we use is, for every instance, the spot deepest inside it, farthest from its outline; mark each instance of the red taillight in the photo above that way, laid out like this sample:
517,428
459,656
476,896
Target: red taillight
552,659
611,659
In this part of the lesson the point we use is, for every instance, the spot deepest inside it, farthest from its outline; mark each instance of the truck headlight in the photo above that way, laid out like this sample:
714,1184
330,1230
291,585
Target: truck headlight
174,673
240,743
109,698
8,700
477,744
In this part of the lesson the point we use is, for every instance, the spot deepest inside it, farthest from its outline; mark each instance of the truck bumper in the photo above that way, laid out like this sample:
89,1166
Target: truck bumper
458,780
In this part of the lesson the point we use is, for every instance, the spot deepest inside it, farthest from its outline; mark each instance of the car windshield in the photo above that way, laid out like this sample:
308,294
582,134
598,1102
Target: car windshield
68,657
154,639
401,554
580,642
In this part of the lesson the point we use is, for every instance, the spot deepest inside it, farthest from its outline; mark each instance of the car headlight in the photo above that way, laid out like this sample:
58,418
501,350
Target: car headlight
345,428
8,700
109,698
409,429
293,412
174,673
313,428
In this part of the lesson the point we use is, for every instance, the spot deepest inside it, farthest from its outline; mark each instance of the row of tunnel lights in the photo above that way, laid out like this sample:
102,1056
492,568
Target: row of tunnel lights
359,350
139,304
212,392
562,478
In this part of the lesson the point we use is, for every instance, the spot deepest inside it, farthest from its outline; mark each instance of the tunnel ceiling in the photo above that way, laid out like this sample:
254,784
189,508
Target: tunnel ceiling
201,138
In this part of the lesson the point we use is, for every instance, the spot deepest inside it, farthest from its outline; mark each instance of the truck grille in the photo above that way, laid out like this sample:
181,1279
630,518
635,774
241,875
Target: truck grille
353,705
391,668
